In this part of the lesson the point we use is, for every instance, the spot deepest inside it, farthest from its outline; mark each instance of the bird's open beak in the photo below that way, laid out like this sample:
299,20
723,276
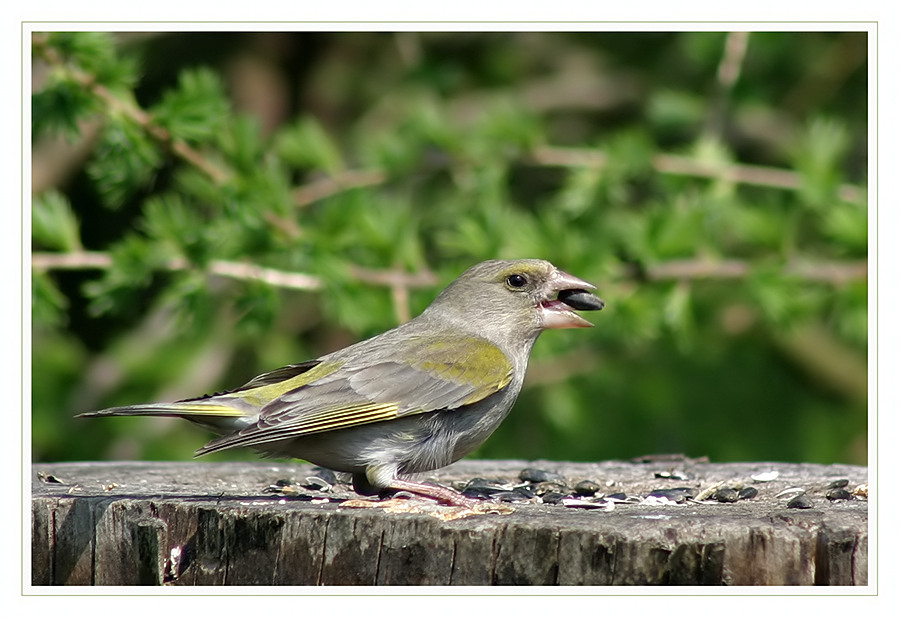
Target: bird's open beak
566,292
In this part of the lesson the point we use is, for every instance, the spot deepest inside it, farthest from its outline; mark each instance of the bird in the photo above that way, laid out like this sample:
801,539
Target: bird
413,399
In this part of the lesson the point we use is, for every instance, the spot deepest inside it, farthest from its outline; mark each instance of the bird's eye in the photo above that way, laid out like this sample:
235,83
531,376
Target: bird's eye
516,281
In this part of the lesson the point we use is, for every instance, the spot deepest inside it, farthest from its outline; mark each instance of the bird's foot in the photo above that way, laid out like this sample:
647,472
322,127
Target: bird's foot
441,494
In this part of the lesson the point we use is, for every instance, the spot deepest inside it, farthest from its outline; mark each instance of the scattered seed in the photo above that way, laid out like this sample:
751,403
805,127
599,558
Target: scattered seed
487,485
838,483
534,475
48,478
675,475
577,503
677,494
709,492
326,475
790,491
726,494
549,486
652,500
861,491
480,494
525,491
282,486
838,493
747,493
586,488
800,502
317,483
510,496
553,497
765,477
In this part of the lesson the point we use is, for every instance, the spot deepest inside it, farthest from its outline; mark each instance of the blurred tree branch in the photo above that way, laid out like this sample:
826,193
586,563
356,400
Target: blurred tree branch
835,273
88,260
556,156
686,166
128,109
826,272
321,188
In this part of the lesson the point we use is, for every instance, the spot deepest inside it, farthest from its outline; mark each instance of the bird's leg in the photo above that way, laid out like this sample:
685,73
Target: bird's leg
441,494
363,486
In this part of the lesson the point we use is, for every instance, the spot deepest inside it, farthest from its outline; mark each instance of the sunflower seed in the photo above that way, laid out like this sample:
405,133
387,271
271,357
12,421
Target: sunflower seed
764,477
586,488
747,493
800,502
534,475
581,300
726,494
838,493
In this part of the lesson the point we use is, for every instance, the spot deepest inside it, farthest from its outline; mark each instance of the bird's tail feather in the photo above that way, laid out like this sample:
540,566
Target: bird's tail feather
180,409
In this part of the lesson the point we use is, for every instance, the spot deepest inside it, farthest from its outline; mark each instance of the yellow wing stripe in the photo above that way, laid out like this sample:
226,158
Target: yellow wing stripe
338,418
197,409
261,395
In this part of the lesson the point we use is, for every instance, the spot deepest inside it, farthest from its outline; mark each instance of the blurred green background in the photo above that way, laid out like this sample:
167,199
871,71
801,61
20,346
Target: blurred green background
712,185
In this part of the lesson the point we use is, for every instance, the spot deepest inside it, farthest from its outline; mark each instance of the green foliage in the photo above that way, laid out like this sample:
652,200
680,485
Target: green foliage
126,161
306,145
196,110
58,107
54,224
597,151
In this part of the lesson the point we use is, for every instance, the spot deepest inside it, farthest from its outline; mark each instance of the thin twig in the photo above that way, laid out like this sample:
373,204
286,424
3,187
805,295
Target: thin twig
686,166
836,273
421,279
697,269
732,59
733,52
400,300
252,272
89,260
130,110
326,187
827,272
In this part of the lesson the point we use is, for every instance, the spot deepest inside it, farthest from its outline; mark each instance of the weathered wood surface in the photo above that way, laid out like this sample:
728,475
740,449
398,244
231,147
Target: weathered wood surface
196,523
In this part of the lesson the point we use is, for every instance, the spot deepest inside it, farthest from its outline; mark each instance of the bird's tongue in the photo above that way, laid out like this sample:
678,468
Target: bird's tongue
557,314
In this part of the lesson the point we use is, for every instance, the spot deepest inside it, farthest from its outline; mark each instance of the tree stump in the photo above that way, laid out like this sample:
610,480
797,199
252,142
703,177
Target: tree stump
267,523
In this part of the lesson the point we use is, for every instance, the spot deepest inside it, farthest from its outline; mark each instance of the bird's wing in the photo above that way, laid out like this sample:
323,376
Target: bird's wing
433,374
288,377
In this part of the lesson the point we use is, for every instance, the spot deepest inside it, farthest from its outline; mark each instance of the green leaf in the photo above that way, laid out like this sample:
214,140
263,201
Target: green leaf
59,108
241,143
197,109
848,224
120,289
676,110
125,161
168,218
54,224
97,54
48,304
818,158
305,144
677,313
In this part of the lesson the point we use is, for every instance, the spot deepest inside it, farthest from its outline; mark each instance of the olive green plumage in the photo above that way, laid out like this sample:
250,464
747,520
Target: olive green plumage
412,399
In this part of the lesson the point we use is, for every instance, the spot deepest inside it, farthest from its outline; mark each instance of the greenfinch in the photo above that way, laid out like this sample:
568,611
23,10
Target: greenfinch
413,399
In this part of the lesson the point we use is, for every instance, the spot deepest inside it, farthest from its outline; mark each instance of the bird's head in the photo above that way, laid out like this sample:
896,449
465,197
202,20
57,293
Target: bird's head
518,298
